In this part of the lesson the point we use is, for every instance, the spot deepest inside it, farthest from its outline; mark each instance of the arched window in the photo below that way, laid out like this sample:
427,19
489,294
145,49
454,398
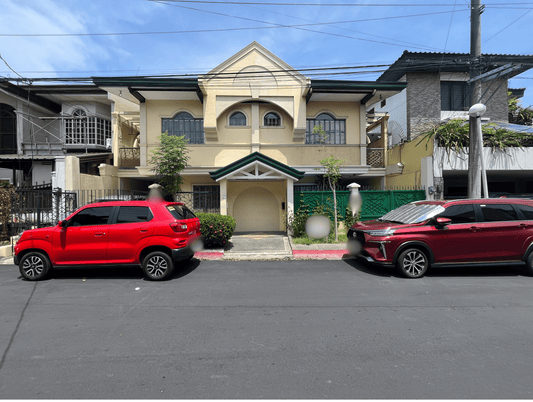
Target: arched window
334,130
76,128
272,120
237,119
8,129
184,124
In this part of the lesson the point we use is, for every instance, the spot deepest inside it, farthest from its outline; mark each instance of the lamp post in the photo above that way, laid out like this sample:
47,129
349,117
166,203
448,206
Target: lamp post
475,113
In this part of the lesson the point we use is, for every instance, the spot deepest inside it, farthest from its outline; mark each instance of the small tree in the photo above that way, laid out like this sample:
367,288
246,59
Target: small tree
168,160
332,168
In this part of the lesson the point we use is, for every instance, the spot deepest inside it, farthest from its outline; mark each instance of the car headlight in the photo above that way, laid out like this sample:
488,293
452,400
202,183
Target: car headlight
381,232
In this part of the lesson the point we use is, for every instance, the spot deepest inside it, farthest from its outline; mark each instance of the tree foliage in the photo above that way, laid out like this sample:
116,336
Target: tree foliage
332,166
169,160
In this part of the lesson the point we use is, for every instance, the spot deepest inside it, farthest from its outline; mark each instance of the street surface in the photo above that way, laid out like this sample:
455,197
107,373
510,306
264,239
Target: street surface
267,329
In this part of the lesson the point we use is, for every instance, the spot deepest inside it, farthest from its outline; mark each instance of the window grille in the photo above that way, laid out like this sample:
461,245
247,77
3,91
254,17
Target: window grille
272,120
183,124
237,119
206,198
334,129
81,129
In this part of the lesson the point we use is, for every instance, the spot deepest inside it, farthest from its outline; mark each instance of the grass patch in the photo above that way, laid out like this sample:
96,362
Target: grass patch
343,238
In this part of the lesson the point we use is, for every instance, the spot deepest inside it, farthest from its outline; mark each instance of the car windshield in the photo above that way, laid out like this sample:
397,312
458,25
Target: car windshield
412,213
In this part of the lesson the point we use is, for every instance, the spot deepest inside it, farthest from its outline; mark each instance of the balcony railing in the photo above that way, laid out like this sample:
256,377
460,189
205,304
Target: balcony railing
130,158
375,157
87,130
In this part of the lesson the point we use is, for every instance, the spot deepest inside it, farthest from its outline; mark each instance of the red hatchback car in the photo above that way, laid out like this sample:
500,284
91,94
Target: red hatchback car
421,234
150,234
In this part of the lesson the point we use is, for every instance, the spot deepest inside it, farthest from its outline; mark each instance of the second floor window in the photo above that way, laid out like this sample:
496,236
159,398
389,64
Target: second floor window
185,124
334,130
81,129
454,96
272,120
237,119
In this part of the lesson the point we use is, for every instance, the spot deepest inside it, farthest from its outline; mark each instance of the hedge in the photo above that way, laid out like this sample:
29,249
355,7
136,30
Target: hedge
216,229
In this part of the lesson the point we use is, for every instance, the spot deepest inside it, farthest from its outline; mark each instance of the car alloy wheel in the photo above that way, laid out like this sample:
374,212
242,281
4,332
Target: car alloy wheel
528,270
158,266
412,263
34,266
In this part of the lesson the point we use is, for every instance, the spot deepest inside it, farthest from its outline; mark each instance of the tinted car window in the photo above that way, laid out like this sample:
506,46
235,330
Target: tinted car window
526,210
180,212
176,211
498,212
91,216
134,214
459,213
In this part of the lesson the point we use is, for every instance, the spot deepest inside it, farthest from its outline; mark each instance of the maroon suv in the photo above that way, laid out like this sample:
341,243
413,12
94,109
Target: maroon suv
150,234
421,234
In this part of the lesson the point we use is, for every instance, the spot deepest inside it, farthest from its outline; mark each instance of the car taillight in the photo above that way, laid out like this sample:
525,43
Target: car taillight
178,227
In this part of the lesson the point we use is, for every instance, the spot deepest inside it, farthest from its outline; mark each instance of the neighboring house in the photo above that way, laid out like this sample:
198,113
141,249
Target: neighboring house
437,90
56,135
250,123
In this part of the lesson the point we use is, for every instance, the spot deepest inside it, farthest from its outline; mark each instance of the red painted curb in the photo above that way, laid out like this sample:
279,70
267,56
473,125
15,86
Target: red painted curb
320,252
209,255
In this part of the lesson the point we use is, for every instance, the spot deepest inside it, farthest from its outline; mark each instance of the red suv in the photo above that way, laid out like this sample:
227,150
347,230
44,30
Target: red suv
150,234
421,234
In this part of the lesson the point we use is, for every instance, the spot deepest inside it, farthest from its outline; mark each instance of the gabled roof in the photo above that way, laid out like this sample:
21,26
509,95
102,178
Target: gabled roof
252,159
450,62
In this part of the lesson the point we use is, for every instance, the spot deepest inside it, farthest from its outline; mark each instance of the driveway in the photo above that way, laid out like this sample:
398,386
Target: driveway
267,329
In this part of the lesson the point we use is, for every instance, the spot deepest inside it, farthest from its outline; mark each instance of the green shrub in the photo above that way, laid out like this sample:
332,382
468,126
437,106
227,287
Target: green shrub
216,229
349,219
297,223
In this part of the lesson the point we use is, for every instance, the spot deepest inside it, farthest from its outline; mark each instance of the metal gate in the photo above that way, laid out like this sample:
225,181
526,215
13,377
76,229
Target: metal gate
40,207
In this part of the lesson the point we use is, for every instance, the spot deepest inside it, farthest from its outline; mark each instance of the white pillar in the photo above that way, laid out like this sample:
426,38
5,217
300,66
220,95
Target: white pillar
224,197
290,200
362,134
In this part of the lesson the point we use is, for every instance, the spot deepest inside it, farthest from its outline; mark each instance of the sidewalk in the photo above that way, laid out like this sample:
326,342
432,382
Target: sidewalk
264,246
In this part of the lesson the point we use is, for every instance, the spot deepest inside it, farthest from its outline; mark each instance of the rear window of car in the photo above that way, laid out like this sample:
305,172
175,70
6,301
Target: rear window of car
526,210
498,212
134,214
180,212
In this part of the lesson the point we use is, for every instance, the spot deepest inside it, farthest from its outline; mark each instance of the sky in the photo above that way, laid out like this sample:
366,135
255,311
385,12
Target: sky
86,38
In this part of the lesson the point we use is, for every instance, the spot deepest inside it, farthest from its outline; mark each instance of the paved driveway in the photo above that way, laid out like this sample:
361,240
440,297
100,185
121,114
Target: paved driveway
267,329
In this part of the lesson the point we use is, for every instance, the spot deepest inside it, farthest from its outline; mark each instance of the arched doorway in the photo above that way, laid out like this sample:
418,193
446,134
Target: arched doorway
256,209
8,129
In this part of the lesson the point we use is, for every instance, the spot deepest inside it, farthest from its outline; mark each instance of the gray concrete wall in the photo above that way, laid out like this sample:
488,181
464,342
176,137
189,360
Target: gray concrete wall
423,102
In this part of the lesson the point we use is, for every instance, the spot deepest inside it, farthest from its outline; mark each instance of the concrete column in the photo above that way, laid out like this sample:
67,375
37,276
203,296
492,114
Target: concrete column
362,128
143,141
59,175
255,127
426,175
224,197
290,200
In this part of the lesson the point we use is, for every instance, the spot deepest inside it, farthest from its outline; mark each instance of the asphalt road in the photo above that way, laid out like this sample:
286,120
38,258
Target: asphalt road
267,329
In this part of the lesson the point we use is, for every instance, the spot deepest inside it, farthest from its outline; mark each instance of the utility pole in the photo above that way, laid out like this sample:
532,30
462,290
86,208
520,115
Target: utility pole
474,154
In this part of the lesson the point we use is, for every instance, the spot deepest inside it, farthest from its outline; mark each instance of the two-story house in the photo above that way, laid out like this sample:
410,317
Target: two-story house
249,123
438,90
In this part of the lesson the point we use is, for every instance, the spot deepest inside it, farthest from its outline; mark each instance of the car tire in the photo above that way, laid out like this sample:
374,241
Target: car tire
158,266
412,263
34,266
528,269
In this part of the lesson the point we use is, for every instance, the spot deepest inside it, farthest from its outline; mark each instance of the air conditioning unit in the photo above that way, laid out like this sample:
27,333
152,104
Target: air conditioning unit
108,143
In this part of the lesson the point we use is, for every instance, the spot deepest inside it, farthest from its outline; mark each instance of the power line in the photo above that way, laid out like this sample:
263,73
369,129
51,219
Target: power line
326,4
296,26
497,33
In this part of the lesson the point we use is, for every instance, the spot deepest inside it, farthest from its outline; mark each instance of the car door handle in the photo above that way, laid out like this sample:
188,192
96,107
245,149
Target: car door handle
98,234
474,228
144,230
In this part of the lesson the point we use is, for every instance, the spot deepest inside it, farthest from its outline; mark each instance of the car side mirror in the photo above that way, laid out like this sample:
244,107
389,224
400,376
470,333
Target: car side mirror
63,224
442,222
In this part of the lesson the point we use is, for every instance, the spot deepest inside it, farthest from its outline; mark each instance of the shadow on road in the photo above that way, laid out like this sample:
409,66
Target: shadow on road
437,272
181,269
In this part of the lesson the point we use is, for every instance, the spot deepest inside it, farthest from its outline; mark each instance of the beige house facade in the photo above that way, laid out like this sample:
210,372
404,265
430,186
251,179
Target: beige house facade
249,122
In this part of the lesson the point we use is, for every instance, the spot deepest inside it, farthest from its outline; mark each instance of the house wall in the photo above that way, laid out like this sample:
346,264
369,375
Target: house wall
410,154
423,102
395,106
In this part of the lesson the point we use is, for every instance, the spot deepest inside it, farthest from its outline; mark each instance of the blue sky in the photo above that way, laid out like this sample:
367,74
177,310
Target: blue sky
207,34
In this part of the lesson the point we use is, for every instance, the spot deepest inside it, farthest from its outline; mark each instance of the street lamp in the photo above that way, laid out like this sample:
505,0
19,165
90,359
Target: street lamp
476,111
